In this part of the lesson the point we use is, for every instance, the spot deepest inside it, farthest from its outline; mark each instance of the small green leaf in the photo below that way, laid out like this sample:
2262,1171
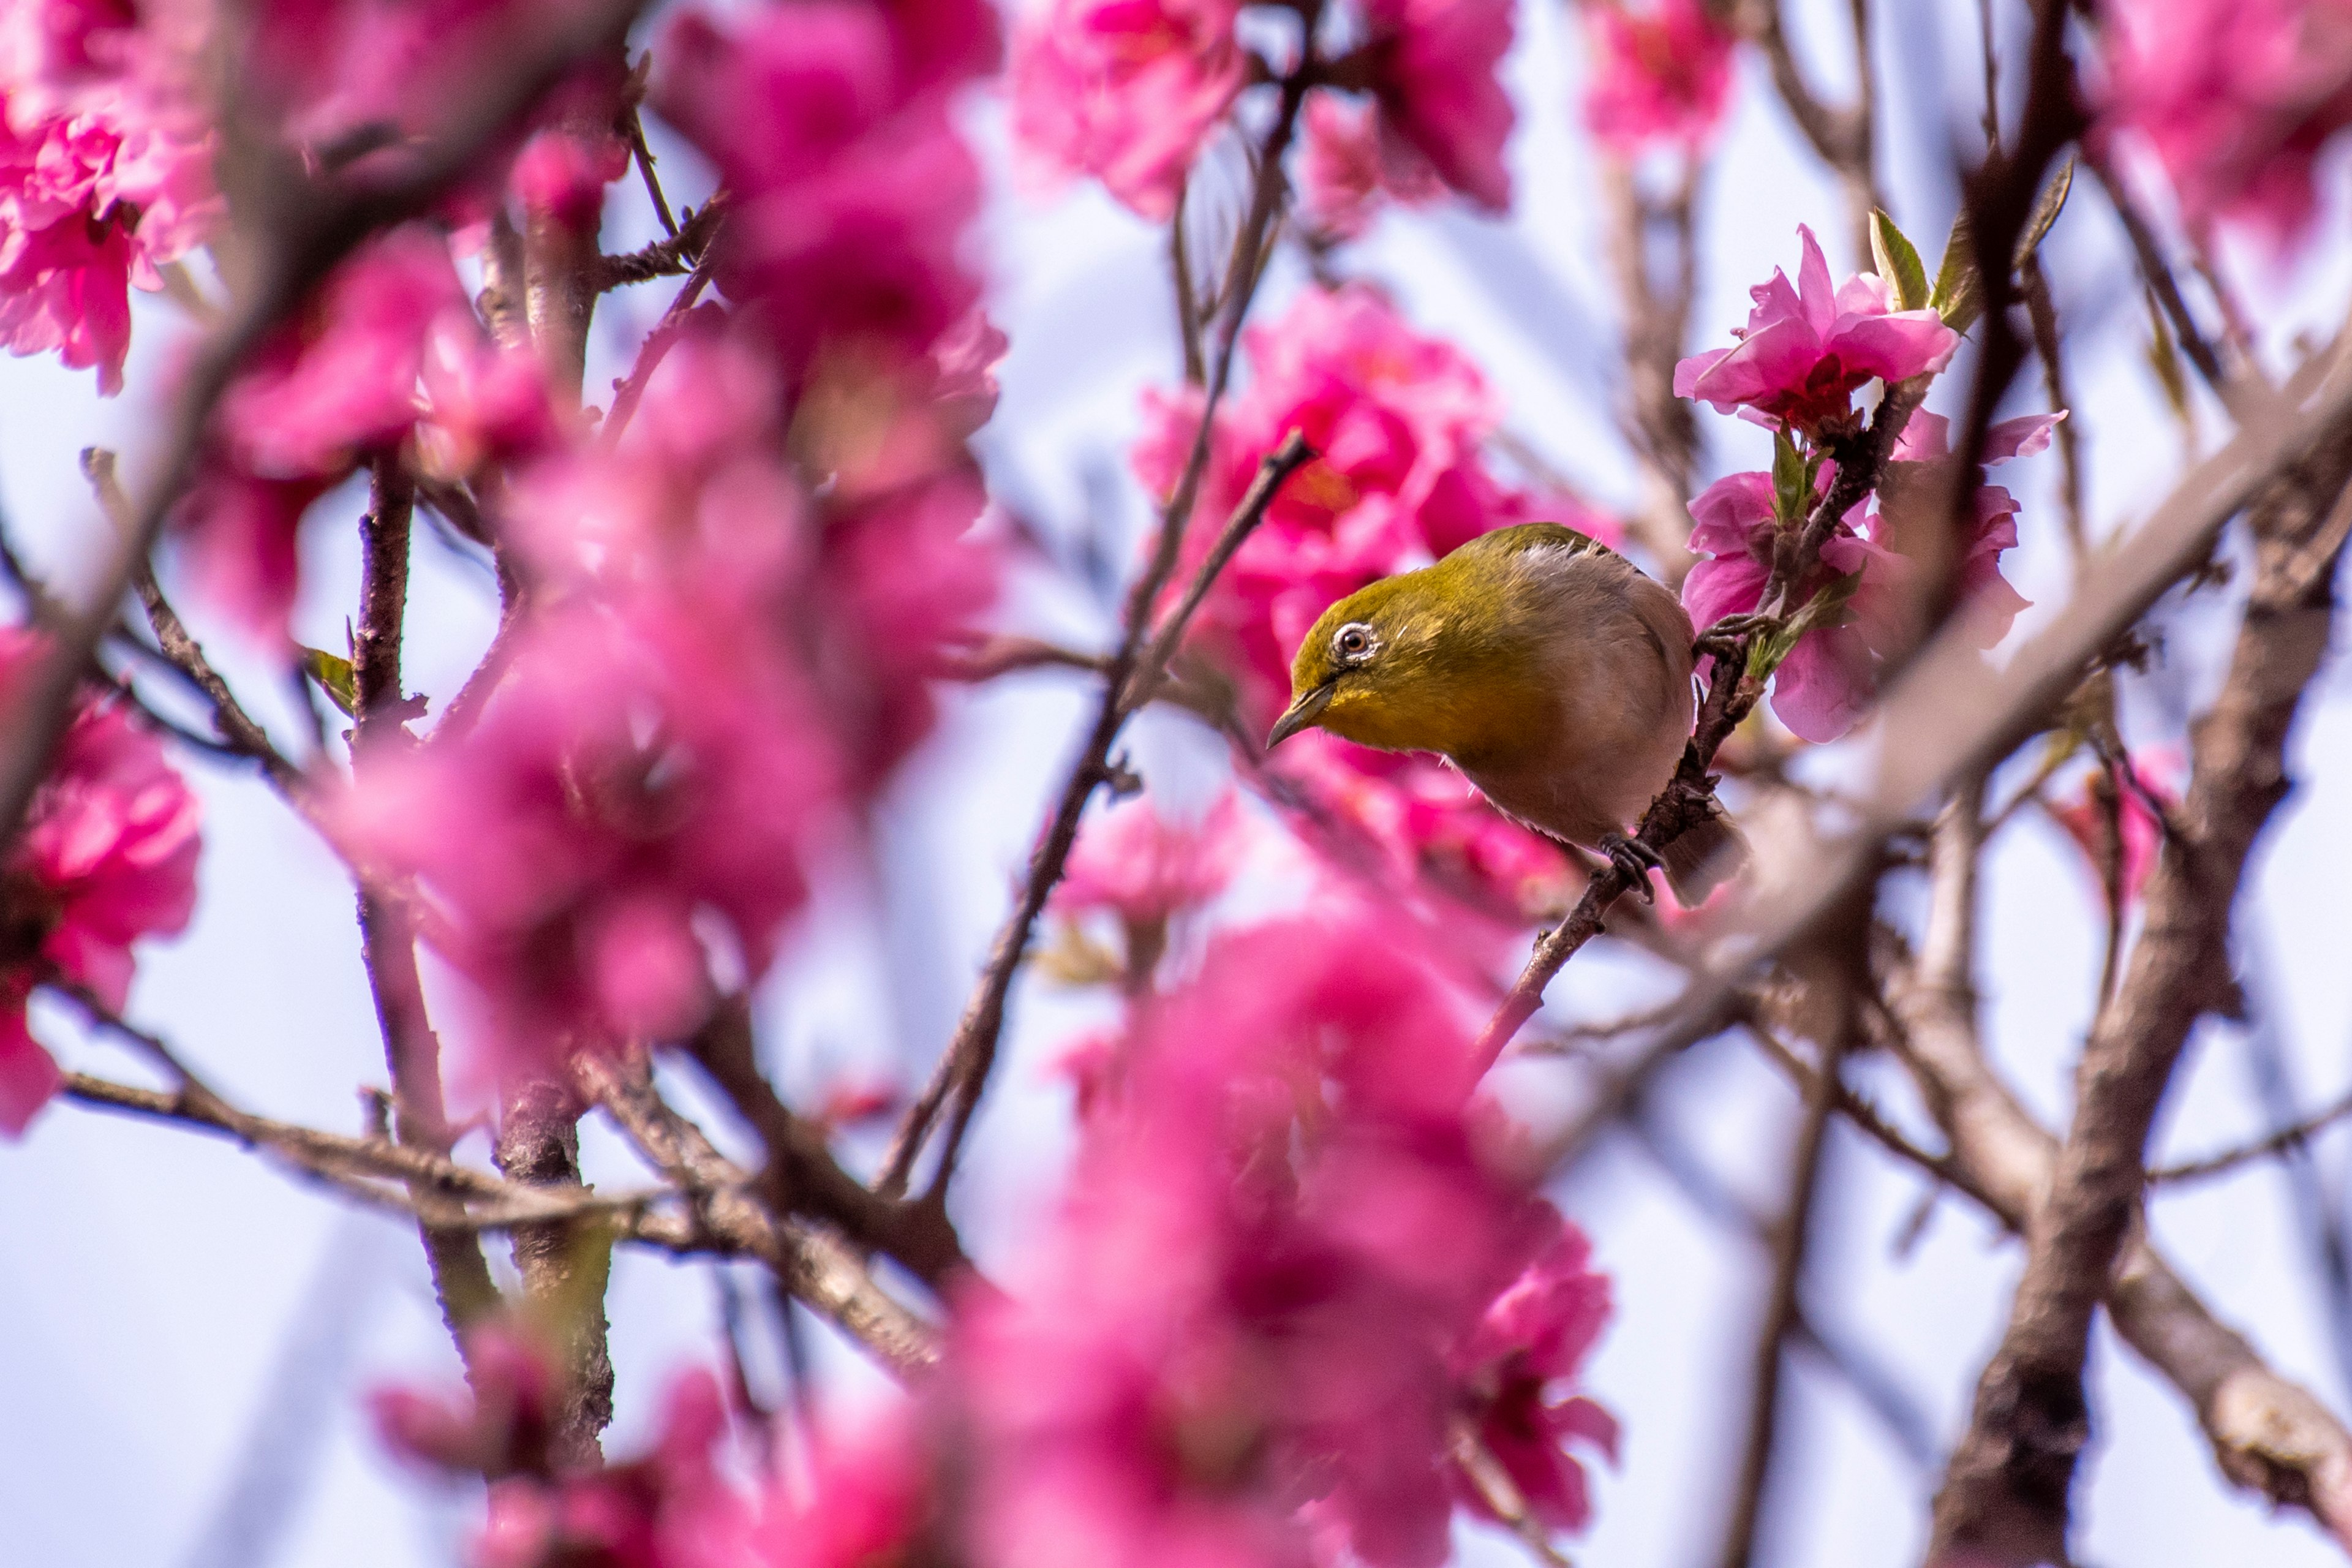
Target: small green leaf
333,674
1898,262
2046,208
1958,294
1827,607
1790,472
2164,359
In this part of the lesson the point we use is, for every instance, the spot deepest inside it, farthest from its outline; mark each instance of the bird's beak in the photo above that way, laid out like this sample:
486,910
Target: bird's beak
1300,715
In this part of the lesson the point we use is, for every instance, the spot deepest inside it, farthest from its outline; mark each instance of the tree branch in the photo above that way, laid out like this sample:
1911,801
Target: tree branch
2006,1494
811,1261
2266,1432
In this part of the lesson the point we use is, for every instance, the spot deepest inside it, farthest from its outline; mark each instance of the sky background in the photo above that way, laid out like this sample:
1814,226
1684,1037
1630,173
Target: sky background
185,1330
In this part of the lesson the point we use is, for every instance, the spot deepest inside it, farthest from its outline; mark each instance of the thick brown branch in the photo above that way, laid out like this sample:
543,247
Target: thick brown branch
2267,1432
2007,1492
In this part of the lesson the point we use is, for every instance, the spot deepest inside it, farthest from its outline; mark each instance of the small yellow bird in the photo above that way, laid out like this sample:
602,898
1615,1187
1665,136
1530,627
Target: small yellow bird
1546,668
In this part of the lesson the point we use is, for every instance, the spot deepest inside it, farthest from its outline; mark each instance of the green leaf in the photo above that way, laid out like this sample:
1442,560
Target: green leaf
1958,294
1792,489
1827,607
2046,208
333,674
2164,359
1897,261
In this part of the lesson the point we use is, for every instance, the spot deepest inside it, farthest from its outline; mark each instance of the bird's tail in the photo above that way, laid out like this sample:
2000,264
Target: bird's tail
1702,857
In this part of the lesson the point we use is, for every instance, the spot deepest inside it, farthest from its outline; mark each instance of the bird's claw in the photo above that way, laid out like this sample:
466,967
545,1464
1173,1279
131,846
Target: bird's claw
1634,861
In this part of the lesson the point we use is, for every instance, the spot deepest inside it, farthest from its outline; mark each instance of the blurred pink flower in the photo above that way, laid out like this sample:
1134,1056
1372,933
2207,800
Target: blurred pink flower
1348,162
319,396
1662,74
342,382
1831,676
1140,865
1805,349
484,403
2237,98
1433,65
107,855
632,810
1533,1339
1241,1336
670,1507
851,189
1915,489
501,1421
2139,835
869,1502
1125,90
105,175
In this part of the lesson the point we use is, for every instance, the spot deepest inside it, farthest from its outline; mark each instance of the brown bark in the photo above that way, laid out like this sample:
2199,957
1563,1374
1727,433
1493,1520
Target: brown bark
2006,1494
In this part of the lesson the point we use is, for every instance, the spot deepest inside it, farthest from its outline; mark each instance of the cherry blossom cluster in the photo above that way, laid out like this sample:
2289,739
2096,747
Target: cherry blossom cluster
1805,352
2237,99
107,855
1297,1308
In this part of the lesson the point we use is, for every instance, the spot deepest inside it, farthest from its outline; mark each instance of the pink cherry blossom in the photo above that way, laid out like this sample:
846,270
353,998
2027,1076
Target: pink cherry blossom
633,810
105,175
1434,72
344,382
1246,1312
319,397
1140,865
1661,75
670,1507
870,1501
2237,98
1830,678
499,1424
1916,486
1532,1341
1807,349
107,855
852,189
2138,833
1347,162
1124,90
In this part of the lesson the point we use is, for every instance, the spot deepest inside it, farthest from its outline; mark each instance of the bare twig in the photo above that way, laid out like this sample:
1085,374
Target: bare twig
2279,1142
813,1262
963,1068
461,1277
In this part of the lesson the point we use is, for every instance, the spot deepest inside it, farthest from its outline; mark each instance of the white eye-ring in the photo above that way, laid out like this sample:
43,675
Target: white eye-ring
1354,643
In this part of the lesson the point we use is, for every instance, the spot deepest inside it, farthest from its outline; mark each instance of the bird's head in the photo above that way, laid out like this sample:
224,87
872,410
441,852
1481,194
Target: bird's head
1425,661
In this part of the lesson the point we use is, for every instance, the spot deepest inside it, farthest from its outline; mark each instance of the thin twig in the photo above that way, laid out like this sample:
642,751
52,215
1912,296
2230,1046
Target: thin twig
963,1068
2281,1142
461,1276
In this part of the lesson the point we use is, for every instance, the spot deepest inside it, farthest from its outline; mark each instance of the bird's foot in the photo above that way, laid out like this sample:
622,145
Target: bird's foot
1634,861
1722,639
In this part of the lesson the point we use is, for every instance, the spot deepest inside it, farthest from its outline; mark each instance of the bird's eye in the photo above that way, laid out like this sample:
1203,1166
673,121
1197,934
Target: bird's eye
1352,642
